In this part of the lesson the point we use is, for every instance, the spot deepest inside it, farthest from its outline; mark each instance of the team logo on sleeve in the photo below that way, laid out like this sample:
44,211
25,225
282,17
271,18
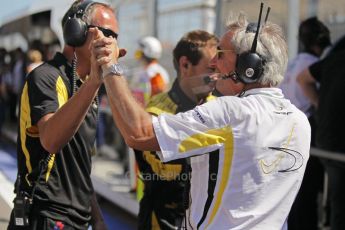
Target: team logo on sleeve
197,115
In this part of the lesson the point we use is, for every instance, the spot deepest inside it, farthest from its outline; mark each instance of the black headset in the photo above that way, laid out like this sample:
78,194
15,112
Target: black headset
250,65
75,29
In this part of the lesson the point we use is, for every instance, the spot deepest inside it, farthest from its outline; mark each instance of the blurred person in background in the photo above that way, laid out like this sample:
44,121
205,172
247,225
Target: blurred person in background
165,184
7,84
3,91
18,77
153,78
34,60
252,144
323,83
314,39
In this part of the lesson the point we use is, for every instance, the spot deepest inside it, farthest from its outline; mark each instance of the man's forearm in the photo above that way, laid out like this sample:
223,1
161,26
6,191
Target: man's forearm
126,111
134,122
66,121
310,91
308,86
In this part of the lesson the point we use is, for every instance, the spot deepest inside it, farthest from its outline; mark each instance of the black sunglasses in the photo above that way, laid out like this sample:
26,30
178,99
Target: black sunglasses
106,32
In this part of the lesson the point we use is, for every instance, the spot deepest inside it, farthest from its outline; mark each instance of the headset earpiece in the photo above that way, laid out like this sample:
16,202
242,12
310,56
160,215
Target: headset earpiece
75,29
249,65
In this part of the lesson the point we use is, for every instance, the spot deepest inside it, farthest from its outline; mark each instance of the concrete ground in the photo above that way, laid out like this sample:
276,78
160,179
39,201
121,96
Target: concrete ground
5,211
119,206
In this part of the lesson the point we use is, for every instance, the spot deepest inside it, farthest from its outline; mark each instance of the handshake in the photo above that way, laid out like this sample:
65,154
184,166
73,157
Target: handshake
105,54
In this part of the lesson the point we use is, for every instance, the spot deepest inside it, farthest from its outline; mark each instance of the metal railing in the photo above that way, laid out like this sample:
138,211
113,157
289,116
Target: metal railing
336,156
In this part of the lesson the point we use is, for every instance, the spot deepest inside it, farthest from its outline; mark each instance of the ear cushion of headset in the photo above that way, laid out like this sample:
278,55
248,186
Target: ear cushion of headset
74,32
249,67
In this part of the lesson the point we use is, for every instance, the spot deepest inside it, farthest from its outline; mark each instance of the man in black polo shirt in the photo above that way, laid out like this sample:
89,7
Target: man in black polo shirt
330,74
57,128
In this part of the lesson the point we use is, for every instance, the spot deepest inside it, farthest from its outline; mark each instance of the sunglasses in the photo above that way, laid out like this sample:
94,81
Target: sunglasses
220,52
106,32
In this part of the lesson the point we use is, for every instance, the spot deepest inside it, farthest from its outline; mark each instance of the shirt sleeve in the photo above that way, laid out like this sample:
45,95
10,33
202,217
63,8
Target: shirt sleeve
192,133
42,93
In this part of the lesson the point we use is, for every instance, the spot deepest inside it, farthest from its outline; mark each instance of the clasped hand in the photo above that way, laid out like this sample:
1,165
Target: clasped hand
104,52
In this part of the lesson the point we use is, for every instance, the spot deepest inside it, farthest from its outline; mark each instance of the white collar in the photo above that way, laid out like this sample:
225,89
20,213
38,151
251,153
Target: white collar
269,91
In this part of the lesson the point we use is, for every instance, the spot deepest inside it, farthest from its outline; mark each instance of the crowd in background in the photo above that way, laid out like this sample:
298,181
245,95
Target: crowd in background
14,65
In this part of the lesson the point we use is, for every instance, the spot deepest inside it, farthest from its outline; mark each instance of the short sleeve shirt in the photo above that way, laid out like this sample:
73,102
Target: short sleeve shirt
64,189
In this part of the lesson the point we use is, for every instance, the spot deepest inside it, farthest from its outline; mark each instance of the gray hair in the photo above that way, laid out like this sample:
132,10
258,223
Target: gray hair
271,47
88,14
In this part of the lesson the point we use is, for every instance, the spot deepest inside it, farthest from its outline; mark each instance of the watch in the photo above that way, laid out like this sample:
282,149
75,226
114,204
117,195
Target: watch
115,69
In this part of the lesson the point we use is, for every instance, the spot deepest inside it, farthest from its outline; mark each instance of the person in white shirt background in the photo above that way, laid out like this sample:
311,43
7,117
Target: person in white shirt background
314,40
258,140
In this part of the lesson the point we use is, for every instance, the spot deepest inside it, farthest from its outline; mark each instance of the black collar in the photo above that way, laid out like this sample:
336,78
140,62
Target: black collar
183,102
64,65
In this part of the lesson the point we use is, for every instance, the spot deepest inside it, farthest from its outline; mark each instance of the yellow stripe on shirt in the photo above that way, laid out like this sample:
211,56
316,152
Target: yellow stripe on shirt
24,123
62,95
212,137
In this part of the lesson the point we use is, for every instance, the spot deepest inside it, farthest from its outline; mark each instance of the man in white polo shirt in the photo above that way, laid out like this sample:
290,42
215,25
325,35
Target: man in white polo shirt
257,142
